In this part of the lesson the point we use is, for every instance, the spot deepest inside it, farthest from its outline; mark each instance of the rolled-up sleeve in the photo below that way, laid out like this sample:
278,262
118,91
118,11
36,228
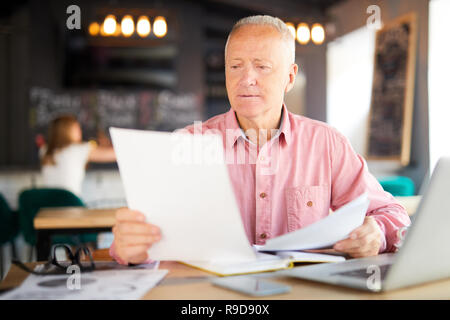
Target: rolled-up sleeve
351,177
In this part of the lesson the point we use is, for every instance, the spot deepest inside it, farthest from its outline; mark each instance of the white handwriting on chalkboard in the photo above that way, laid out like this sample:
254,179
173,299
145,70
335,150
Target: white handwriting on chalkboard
95,109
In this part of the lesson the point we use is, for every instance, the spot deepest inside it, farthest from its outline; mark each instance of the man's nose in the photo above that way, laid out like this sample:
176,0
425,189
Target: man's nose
249,77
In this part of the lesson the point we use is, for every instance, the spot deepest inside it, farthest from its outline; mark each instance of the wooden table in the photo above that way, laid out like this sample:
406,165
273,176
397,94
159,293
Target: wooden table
183,282
69,220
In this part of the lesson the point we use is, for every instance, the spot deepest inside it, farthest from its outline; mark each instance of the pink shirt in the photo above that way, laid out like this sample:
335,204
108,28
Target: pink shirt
294,179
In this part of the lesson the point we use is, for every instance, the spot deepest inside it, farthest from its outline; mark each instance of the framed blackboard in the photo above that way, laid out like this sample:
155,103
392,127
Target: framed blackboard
391,110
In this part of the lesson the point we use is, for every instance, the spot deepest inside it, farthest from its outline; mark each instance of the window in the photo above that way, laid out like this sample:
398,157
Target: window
349,84
438,83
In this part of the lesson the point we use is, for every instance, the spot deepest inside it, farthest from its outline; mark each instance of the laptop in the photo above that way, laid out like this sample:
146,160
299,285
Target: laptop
423,257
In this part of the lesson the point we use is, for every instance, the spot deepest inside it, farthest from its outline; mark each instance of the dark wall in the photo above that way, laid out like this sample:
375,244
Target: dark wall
190,58
31,51
4,90
315,68
14,81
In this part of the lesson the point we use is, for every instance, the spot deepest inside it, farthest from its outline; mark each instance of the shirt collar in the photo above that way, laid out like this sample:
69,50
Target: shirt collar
232,123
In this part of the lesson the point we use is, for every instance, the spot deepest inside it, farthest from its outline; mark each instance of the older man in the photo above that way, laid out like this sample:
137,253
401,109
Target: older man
294,170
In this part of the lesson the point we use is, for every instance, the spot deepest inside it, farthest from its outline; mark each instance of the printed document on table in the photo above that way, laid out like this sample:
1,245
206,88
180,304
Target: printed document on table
325,232
181,183
96,285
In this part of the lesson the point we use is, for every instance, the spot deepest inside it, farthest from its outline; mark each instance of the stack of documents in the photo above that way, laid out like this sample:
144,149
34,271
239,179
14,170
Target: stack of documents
181,183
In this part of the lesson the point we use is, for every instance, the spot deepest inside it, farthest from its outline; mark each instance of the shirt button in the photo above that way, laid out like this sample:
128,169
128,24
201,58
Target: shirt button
262,195
263,235
262,158
309,203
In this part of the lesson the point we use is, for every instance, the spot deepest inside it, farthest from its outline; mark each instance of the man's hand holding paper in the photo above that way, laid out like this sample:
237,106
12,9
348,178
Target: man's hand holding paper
364,241
133,236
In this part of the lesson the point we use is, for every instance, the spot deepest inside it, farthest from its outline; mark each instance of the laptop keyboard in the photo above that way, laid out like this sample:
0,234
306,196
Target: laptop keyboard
362,273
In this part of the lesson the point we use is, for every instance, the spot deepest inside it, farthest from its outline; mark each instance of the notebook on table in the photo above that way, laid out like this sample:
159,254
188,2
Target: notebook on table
264,262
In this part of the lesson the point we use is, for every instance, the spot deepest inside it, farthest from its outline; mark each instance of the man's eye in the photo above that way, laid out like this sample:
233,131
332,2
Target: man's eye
234,67
263,67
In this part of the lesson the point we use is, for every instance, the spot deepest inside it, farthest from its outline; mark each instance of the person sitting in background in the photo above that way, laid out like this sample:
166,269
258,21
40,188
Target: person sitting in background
65,156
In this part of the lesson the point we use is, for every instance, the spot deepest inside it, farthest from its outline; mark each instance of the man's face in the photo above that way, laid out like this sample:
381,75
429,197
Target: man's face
258,71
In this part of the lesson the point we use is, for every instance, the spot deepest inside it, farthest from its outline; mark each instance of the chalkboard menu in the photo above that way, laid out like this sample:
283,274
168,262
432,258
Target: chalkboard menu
391,109
101,109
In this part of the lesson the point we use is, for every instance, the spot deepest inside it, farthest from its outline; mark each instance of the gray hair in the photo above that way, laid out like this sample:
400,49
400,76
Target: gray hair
265,20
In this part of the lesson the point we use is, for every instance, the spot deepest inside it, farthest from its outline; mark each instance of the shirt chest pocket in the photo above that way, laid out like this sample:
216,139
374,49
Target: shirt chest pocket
306,205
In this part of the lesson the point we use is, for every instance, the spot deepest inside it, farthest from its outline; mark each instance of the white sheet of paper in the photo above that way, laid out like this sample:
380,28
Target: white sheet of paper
181,183
96,285
325,232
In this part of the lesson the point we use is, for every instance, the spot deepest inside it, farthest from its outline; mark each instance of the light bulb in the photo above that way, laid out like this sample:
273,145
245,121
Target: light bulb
127,25
143,27
110,24
317,33
102,30
303,34
94,29
160,27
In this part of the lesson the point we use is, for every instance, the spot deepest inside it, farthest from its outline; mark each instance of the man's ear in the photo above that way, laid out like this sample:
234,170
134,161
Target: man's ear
293,69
